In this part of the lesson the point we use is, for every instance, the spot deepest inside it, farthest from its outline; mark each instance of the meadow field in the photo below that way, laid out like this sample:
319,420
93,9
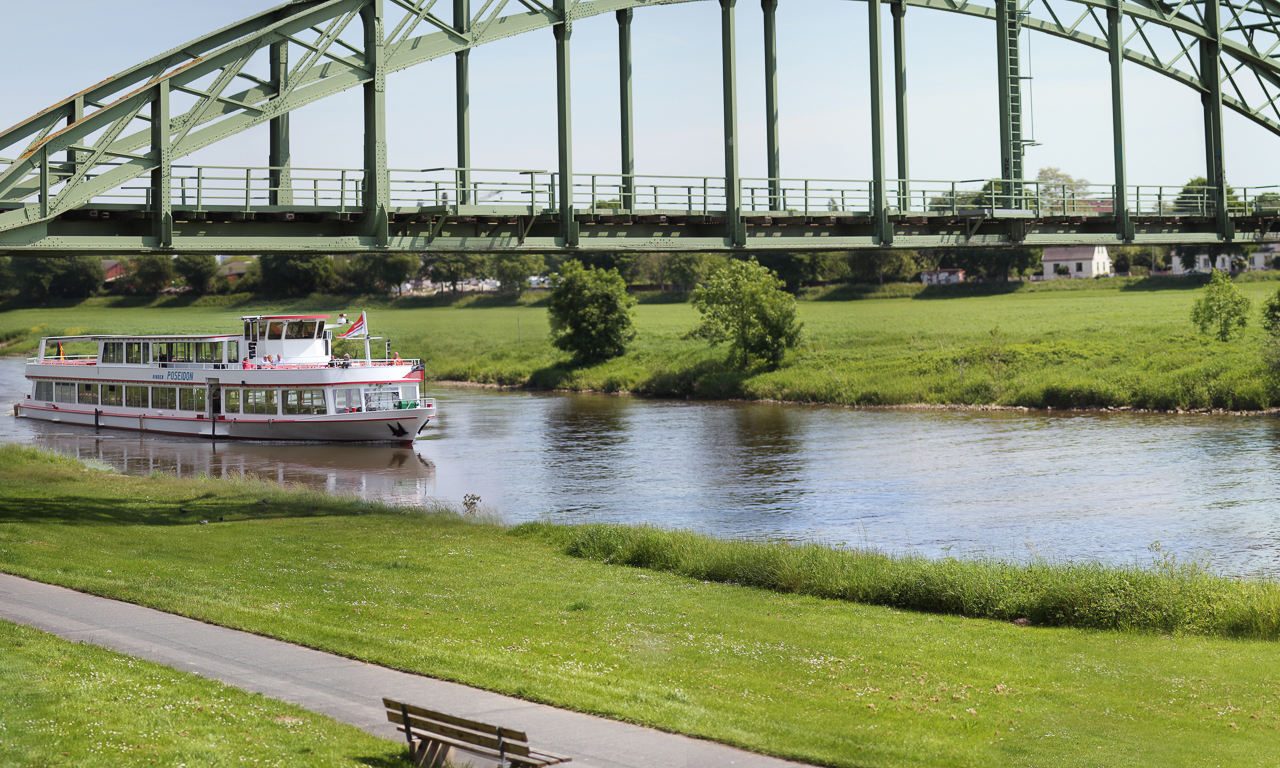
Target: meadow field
1117,343
579,618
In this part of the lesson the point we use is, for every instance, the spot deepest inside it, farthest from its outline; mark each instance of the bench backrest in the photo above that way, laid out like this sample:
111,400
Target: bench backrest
491,737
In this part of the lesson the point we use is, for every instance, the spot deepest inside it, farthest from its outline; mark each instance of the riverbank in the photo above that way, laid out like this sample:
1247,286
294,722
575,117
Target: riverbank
751,663
1119,343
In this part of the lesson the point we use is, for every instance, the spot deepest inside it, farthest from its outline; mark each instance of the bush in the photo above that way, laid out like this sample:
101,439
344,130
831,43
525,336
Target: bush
1223,310
745,305
591,313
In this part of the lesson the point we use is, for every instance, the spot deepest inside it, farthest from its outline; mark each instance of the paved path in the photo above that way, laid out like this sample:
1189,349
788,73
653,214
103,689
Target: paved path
346,690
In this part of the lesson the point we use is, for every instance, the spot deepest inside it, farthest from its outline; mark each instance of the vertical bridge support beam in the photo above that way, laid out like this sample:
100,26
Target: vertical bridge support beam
564,124
736,231
377,181
162,174
882,230
77,114
770,8
899,9
1211,77
462,72
1115,44
279,160
626,118
1010,87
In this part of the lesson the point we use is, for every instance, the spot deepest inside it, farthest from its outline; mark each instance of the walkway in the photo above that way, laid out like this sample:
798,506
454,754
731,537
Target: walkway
348,691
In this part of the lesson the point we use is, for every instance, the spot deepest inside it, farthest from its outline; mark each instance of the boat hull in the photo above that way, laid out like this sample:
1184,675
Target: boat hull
374,426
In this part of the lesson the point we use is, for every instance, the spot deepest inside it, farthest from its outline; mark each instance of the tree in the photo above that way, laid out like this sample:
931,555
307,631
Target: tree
384,271
512,269
745,305
152,272
591,312
1223,309
295,274
691,269
1061,193
196,270
41,277
877,265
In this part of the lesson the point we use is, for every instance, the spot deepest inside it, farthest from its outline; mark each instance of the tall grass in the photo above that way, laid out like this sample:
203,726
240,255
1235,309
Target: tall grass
1169,596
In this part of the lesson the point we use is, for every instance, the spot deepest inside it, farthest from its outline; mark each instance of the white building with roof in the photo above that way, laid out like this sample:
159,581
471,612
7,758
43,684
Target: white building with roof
1081,261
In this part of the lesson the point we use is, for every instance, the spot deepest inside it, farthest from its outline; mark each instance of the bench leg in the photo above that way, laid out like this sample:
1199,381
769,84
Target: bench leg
433,754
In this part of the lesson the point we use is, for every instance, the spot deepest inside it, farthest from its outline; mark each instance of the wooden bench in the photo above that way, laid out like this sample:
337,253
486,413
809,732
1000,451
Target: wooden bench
433,736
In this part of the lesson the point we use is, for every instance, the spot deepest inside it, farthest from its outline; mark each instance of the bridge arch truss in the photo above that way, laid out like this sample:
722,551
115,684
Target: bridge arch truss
67,186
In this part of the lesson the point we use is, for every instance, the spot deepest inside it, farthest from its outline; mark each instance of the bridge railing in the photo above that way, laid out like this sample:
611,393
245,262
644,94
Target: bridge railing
249,189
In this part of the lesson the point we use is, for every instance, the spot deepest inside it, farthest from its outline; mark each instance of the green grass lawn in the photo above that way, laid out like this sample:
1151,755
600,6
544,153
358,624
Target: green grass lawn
1109,343
69,704
818,680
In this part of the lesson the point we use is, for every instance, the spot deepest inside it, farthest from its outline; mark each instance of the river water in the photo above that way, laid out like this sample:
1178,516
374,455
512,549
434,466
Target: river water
1101,486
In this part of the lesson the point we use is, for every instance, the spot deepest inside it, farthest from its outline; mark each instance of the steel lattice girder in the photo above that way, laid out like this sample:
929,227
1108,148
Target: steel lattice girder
62,186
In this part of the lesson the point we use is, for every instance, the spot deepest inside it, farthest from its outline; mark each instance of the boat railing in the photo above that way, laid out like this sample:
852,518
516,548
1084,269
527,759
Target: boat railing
181,365
64,360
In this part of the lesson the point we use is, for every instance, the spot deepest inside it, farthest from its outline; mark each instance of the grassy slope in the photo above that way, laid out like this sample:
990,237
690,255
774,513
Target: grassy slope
1105,343
818,680
70,704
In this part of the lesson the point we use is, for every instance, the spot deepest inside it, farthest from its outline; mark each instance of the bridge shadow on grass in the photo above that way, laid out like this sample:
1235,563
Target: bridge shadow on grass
95,511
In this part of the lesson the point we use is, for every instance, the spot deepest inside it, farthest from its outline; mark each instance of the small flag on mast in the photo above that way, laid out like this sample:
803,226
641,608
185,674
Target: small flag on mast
61,354
358,329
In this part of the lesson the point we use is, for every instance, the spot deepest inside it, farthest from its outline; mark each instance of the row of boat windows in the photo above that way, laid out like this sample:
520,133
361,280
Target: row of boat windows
142,352
290,402
129,396
282,329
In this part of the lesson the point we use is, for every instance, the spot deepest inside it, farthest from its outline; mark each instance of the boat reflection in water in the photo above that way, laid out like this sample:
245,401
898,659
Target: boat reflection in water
387,473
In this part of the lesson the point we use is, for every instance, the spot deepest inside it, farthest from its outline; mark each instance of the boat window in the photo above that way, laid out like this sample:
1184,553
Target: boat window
87,394
146,351
233,351
208,352
133,352
250,330
275,329
113,352
191,399
164,398
381,400
230,401
112,394
64,392
261,401
304,401
44,390
135,397
181,352
346,400
299,330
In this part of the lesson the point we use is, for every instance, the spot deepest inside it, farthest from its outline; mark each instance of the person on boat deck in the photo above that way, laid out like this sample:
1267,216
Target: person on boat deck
245,364
333,361
397,360
346,360
266,362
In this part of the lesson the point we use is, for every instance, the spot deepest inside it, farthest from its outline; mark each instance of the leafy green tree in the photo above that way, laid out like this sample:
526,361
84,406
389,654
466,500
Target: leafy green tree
456,268
511,270
1271,314
381,271
691,269
6,276
152,272
42,277
591,312
1061,193
295,274
881,264
196,270
1223,309
745,305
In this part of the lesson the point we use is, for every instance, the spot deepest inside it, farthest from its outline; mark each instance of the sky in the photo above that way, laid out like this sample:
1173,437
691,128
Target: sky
54,48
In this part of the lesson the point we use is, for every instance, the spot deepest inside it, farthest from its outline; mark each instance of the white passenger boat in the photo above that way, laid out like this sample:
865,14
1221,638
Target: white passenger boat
277,380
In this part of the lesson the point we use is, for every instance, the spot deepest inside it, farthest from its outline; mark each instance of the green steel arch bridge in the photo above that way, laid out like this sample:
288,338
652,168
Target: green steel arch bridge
102,171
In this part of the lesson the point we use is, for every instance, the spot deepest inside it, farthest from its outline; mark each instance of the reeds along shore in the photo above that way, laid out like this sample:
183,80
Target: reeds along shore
1167,596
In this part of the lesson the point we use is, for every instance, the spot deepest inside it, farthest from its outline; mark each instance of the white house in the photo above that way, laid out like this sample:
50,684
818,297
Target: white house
942,276
1257,260
1081,261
